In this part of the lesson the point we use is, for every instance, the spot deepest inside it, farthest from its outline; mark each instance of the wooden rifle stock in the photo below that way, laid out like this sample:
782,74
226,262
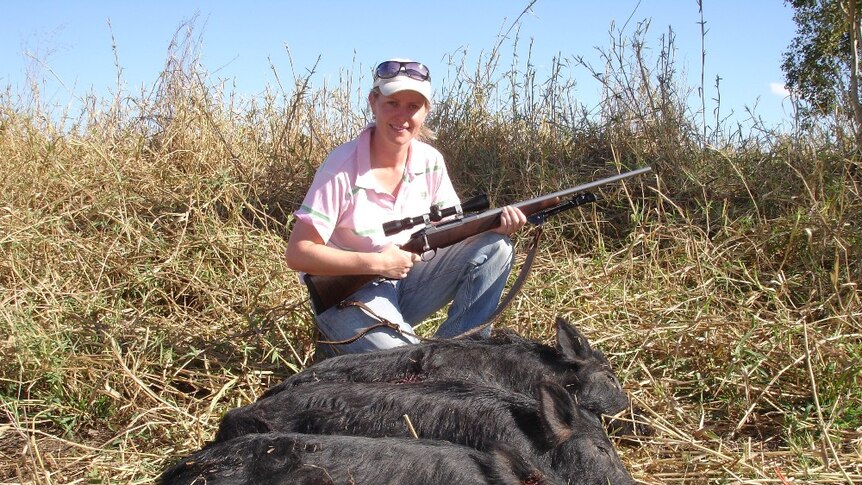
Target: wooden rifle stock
328,291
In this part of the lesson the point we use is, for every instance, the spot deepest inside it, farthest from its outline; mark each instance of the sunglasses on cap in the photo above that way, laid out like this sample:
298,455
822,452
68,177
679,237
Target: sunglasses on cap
413,70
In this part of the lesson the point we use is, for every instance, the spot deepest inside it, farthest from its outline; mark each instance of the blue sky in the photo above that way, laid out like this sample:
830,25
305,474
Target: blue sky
68,45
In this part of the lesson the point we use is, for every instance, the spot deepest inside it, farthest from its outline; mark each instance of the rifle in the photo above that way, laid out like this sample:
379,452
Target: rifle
469,219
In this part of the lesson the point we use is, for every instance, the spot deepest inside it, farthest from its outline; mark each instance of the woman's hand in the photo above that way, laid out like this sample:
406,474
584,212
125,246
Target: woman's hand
306,252
511,220
396,263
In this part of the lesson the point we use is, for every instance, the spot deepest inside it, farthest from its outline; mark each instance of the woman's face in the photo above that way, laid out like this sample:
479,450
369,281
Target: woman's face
399,117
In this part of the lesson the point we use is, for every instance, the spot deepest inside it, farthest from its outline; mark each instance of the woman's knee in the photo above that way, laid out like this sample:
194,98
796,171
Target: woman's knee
494,247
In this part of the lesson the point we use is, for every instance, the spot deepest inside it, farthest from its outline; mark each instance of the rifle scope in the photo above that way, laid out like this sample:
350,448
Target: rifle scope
436,214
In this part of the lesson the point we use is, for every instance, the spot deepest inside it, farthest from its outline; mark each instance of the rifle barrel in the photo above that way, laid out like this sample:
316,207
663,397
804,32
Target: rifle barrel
447,234
580,188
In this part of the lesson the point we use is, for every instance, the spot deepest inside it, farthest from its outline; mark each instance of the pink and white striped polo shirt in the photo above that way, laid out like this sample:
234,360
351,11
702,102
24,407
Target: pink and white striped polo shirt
345,206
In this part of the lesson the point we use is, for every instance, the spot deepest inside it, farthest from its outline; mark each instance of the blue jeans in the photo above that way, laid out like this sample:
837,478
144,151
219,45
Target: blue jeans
471,274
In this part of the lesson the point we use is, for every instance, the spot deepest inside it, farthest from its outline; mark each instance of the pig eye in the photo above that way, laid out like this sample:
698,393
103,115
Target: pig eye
602,450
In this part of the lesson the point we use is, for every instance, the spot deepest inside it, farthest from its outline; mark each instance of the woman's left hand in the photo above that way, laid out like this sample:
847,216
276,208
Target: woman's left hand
511,220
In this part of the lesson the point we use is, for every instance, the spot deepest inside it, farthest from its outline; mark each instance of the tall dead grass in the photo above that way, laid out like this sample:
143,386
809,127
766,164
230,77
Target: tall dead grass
144,294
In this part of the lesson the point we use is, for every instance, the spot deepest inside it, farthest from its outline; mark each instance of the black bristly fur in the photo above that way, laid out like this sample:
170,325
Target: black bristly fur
505,359
299,459
550,428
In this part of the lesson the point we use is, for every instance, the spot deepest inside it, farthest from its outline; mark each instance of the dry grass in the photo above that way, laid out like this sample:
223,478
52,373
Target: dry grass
143,293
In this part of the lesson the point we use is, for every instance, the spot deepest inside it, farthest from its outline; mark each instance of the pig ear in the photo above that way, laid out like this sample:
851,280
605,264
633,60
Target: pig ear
557,412
571,344
508,466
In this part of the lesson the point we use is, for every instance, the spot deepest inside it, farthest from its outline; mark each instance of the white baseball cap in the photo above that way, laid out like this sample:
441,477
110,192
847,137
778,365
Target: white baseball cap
397,75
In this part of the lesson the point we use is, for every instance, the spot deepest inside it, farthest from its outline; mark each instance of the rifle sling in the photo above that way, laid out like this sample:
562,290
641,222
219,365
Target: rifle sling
504,303
514,290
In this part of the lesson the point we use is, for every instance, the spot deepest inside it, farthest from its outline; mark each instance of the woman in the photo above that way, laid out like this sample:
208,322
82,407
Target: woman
385,174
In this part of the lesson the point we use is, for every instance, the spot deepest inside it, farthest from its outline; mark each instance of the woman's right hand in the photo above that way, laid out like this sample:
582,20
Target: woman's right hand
395,263
306,252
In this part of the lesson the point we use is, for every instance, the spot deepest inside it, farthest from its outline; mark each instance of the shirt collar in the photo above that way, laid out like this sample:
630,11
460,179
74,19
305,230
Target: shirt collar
364,178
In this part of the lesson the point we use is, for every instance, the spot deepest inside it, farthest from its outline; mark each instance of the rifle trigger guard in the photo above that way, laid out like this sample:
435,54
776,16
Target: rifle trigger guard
428,255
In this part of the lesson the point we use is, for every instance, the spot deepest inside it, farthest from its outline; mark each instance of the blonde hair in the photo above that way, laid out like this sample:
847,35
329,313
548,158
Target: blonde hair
425,134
